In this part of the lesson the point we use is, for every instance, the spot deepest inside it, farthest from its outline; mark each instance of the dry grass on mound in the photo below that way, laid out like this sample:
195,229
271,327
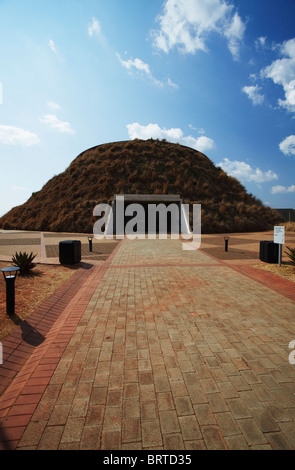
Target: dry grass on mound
30,292
289,226
66,201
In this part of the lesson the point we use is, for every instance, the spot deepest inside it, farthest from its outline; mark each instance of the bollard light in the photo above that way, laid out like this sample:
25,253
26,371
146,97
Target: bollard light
90,243
226,239
10,276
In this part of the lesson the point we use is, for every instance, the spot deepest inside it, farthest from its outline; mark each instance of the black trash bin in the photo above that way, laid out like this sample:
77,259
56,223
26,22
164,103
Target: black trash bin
269,252
70,252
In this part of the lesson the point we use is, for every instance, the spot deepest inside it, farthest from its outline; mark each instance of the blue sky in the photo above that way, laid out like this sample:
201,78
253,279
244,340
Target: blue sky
216,75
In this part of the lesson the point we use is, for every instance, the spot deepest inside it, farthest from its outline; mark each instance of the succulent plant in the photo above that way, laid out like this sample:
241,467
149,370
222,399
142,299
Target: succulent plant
24,261
291,253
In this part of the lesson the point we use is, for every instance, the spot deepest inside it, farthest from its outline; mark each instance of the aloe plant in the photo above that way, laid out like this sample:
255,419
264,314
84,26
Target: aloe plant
24,261
291,253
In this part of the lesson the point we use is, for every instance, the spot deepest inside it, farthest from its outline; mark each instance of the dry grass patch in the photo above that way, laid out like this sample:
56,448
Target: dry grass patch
289,226
30,292
286,271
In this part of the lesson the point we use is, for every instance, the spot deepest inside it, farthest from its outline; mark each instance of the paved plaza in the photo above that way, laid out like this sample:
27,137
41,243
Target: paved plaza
154,347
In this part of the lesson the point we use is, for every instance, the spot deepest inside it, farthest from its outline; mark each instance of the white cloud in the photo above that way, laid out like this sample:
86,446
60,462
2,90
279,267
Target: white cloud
202,143
200,130
235,33
283,189
260,42
136,64
154,131
253,77
19,188
55,123
141,67
11,135
253,94
52,46
169,83
244,172
186,24
95,28
53,105
287,146
282,72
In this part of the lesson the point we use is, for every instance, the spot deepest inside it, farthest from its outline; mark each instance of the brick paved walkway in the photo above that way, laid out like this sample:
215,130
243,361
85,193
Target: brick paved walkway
160,349
20,344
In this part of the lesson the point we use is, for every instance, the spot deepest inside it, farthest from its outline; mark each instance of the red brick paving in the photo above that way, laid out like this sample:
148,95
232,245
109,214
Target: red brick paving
270,280
154,366
19,345
266,278
32,374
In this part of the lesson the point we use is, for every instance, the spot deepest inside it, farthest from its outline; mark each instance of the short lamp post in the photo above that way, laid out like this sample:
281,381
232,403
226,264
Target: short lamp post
10,276
90,243
226,239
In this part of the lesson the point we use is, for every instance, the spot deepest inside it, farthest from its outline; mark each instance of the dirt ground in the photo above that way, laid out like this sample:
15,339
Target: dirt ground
30,292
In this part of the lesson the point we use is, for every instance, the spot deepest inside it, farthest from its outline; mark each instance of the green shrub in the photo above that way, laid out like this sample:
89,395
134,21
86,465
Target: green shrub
291,253
24,261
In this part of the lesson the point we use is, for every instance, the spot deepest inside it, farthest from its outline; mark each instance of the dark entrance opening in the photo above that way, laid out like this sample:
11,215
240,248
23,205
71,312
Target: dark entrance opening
145,200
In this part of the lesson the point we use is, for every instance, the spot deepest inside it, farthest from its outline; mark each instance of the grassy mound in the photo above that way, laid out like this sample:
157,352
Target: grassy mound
67,201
